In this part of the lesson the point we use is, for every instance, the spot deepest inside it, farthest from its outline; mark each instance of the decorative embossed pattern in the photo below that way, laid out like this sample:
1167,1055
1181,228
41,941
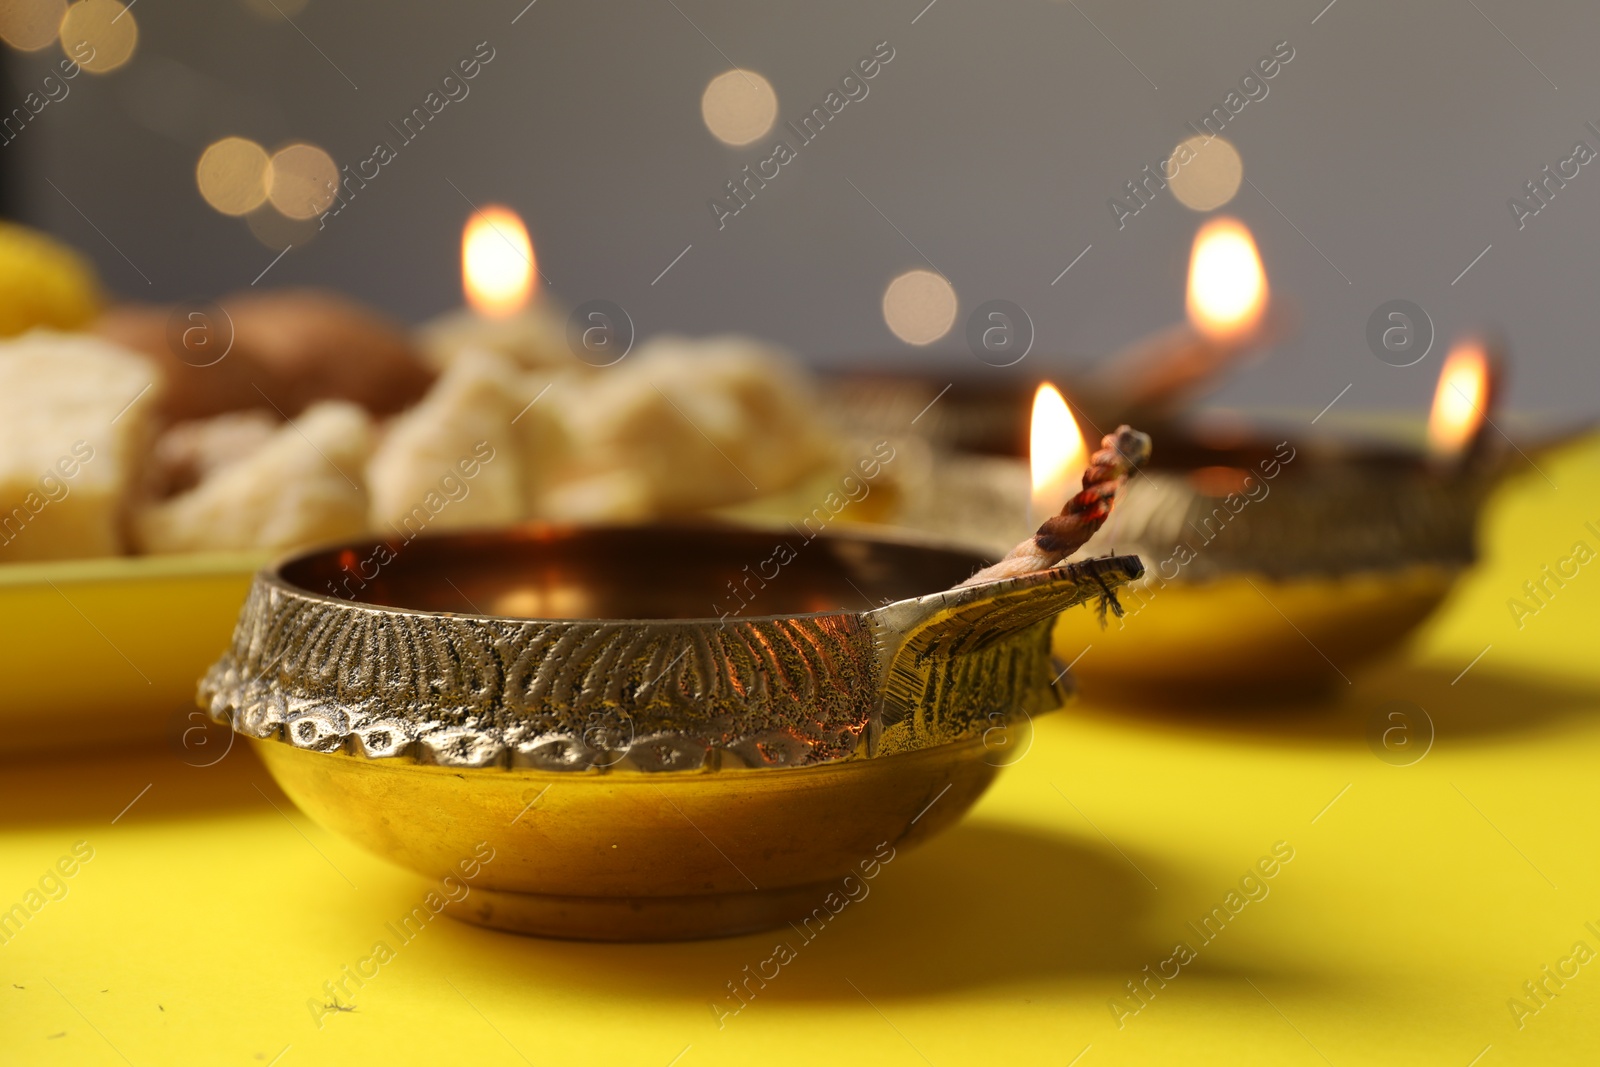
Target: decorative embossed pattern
668,695
976,662
1328,519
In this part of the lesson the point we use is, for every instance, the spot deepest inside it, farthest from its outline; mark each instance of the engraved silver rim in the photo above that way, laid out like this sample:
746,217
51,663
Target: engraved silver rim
652,695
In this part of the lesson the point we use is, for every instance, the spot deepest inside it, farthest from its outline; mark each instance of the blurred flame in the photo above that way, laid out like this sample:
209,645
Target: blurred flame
1459,400
1227,285
1056,452
497,264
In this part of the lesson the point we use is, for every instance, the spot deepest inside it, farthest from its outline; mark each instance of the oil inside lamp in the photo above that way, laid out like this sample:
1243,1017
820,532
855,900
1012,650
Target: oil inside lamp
1460,401
497,263
1056,453
1227,292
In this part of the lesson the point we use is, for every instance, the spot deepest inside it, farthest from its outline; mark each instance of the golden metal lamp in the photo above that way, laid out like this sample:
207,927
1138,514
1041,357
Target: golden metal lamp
644,768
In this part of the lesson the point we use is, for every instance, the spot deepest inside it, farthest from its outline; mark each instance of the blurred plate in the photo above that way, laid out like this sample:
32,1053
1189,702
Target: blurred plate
107,650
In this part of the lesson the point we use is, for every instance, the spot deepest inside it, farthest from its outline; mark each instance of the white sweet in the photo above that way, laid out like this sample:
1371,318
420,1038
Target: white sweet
609,496
702,423
508,431
301,487
535,337
454,460
188,451
543,442
76,418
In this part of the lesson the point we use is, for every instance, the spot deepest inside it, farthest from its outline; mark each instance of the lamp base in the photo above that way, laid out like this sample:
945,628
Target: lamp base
683,918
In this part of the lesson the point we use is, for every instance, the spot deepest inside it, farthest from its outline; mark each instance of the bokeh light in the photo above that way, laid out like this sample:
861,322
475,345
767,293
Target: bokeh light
233,175
738,106
1211,176
278,233
29,25
919,307
303,181
99,35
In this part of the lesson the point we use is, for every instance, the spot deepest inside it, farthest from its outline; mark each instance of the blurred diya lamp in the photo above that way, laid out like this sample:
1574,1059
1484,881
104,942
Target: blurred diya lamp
1273,565
1231,317
640,769
1319,555
505,312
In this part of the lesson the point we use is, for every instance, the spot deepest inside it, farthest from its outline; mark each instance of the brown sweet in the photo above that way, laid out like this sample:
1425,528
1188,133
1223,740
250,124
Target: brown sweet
289,348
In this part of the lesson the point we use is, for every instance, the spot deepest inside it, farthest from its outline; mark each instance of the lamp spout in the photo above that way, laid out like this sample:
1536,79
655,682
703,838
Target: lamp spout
975,651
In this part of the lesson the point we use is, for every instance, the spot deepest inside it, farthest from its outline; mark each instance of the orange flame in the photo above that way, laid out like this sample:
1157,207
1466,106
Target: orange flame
1460,400
1227,284
1056,452
497,264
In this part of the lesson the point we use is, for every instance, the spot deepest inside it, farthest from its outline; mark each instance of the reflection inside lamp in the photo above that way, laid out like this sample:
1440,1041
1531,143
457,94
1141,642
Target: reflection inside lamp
543,602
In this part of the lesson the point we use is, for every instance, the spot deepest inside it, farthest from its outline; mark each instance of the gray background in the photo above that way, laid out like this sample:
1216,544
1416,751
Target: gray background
992,141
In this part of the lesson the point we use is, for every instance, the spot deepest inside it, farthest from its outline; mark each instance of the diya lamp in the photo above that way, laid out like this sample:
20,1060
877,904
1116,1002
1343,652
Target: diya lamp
616,766
1321,555
633,771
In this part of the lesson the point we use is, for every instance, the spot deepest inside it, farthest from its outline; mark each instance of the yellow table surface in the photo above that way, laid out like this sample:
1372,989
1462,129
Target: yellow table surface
1418,901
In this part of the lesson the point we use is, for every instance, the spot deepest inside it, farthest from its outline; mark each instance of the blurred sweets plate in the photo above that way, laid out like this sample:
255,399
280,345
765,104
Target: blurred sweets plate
145,473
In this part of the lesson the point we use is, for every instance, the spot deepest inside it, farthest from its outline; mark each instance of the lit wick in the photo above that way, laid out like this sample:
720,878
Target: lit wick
497,263
1230,315
1227,292
1469,384
1056,453
1061,535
